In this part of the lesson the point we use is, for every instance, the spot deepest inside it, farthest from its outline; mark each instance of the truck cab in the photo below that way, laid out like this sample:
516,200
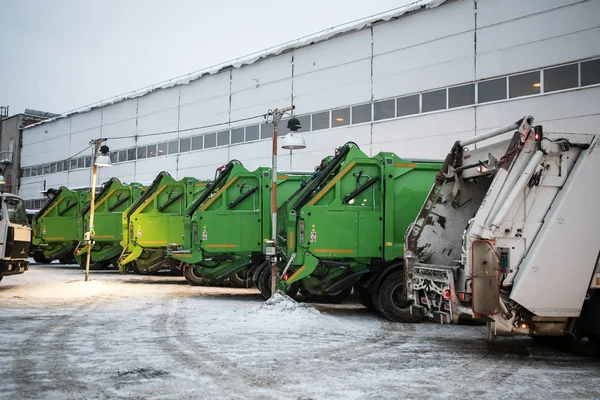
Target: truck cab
16,236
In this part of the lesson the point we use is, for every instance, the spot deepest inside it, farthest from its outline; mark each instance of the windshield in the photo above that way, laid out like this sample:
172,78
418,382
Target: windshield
15,208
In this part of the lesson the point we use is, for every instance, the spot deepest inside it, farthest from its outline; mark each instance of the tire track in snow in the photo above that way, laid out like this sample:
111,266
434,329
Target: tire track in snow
205,361
44,353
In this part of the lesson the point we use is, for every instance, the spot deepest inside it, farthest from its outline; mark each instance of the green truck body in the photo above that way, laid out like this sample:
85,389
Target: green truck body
346,226
57,227
154,223
114,198
226,228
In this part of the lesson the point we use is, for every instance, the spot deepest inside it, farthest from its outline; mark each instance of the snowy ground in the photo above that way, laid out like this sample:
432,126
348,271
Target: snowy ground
137,337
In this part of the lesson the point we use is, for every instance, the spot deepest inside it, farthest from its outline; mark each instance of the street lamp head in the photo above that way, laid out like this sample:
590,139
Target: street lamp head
103,159
293,141
294,124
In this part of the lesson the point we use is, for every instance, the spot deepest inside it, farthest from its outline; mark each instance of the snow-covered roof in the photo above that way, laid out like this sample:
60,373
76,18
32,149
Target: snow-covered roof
317,37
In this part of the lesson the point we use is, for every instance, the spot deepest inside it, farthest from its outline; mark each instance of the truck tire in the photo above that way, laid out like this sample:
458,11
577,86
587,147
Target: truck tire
364,297
240,279
175,268
191,276
389,300
264,285
334,298
39,258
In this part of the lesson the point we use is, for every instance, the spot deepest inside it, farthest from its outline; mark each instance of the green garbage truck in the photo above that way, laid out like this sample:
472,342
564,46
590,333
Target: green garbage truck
345,228
57,227
114,198
154,223
226,228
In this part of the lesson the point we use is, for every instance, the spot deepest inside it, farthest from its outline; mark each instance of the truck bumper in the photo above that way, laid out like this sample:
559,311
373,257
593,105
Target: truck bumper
13,267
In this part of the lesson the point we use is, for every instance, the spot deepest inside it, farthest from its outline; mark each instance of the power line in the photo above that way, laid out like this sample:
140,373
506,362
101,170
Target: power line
186,129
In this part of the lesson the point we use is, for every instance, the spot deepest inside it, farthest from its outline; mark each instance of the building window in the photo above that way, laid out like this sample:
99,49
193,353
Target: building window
266,130
80,163
407,105
304,123
560,78
88,162
122,155
174,147
141,152
185,145
252,133
223,138
151,150
66,165
433,101
197,142
282,128
340,117
463,95
52,168
524,84
361,114
59,166
491,90
590,72
210,140
384,109
131,153
163,148
113,156
237,135
320,121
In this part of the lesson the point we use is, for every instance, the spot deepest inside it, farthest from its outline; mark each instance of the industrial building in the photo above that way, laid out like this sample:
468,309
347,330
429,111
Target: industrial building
11,128
411,81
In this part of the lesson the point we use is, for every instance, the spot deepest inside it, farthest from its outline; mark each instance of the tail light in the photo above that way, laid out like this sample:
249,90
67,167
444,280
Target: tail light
447,294
285,277
538,134
461,296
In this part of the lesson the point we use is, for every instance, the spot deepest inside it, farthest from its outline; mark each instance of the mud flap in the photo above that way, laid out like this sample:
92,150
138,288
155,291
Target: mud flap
486,278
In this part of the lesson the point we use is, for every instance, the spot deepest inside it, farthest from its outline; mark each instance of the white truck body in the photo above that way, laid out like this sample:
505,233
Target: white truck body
15,236
510,233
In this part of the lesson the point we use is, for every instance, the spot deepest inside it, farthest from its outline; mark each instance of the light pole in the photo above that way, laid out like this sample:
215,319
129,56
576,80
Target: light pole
99,160
291,141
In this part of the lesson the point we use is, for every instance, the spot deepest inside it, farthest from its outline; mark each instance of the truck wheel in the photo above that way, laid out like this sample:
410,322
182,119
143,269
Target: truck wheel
334,298
364,297
390,300
192,276
175,269
264,285
39,258
240,279
63,260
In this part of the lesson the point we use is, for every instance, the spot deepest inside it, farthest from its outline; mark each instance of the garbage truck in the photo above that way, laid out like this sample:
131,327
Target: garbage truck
114,198
56,227
345,227
510,235
16,236
153,224
227,227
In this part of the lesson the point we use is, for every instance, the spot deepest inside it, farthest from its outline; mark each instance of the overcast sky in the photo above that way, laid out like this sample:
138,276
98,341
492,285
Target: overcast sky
58,55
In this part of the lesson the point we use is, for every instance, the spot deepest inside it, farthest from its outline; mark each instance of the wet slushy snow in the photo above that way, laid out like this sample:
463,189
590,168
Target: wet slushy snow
139,337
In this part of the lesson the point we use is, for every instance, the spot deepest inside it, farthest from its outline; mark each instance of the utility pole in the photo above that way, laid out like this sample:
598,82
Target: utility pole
272,253
89,235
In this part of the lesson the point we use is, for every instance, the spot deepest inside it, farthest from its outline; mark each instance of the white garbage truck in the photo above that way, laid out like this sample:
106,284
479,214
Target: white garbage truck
15,236
510,235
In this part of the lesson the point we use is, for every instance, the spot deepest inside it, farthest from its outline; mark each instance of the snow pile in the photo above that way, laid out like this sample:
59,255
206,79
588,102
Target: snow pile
283,306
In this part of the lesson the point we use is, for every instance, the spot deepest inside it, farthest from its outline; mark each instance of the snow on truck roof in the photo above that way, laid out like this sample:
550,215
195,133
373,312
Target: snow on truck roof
249,59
